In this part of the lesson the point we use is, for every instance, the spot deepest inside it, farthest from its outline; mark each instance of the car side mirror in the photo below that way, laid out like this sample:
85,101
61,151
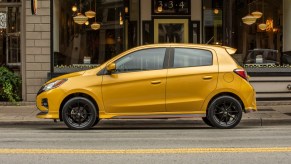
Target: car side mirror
111,67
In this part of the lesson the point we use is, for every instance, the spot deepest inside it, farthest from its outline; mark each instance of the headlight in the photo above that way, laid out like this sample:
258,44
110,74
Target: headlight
52,85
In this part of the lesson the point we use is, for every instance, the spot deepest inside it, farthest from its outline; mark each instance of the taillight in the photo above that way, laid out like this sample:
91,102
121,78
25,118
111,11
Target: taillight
242,73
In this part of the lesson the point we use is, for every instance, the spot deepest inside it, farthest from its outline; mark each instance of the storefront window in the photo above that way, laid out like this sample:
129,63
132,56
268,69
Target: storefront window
80,44
10,35
259,41
212,21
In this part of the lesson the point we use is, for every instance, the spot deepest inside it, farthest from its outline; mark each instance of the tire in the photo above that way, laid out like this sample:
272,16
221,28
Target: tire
79,113
96,122
225,112
206,121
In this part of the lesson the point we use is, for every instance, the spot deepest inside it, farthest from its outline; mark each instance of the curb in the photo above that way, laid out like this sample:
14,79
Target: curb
256,122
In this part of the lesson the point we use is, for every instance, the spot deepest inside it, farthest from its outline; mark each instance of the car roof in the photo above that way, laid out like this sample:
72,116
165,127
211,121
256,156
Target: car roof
230,50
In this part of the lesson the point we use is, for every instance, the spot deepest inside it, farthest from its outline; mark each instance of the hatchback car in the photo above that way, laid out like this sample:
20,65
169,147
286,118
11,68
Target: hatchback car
153,81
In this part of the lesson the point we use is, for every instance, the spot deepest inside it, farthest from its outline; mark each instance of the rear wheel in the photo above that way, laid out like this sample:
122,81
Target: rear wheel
225,112
79,113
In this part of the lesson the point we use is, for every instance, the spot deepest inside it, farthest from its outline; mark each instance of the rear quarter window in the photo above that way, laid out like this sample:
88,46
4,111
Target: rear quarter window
188,57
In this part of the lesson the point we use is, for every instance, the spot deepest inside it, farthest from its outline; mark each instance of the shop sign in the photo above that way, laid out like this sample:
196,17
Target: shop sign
171,7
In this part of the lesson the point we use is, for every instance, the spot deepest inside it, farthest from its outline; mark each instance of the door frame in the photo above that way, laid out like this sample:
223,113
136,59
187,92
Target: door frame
185,22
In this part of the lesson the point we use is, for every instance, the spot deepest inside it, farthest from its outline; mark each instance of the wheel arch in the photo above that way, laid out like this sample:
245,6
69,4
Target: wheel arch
78,94
226,94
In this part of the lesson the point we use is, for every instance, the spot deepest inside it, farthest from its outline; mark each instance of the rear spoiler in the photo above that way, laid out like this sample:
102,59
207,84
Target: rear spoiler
229,50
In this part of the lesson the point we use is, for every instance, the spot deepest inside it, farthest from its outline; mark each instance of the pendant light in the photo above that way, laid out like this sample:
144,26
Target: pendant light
90,13
249,19
80,18
95,25
257,14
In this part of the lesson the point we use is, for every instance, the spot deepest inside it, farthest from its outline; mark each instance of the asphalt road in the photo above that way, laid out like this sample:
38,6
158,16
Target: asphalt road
160,141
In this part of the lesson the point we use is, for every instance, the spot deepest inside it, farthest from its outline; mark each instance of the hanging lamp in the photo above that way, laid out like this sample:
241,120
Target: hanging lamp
80,18
257,14
95,25
249,19
90,13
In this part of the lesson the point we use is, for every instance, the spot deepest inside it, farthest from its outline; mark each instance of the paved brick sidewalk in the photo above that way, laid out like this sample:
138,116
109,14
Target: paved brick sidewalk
266,115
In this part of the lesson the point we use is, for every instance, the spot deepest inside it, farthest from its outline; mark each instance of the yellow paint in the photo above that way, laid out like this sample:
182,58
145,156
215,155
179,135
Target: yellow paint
146,151
128,93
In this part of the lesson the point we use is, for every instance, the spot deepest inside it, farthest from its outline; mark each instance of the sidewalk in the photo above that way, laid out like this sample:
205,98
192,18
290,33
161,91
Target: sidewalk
273,115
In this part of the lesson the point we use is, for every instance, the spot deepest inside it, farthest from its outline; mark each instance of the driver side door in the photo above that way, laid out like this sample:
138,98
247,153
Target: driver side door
138,84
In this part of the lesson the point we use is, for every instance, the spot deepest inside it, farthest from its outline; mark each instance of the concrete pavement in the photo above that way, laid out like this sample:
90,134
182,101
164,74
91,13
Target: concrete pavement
268,114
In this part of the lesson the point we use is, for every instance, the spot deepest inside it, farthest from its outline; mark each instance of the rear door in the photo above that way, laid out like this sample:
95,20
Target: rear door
192,76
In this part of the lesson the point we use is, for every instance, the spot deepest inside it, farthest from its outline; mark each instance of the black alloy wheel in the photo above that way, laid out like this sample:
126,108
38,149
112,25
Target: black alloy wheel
225,112
79,113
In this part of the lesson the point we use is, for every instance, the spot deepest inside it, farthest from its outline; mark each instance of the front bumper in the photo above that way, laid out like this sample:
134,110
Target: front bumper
53,100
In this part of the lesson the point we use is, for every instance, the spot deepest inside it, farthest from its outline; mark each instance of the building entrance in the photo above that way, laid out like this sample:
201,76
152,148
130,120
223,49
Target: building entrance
171,31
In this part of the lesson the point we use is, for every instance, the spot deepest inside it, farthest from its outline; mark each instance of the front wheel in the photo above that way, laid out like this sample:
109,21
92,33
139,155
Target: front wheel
206,121
79,113
225,112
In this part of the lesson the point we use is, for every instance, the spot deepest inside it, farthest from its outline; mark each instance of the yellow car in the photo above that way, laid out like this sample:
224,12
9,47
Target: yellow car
153,81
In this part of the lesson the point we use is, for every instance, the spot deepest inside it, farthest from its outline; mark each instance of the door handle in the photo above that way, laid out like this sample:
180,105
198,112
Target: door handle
156,82
207,77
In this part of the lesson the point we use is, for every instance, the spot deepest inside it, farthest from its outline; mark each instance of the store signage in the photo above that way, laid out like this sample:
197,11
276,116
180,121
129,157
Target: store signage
171,7
33,7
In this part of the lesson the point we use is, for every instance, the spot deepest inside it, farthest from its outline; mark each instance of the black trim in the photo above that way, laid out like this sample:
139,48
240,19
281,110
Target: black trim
172,53
167,58
102,72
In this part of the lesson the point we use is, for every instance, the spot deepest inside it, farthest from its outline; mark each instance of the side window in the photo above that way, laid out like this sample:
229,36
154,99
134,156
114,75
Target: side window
187,57
143,60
